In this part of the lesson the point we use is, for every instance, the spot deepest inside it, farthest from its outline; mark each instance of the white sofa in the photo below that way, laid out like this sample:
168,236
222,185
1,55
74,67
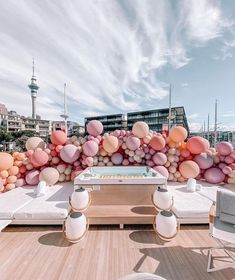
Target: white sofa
193,207
21,206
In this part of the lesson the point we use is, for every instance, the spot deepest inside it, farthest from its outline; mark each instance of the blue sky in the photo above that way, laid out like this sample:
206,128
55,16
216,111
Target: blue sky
119,56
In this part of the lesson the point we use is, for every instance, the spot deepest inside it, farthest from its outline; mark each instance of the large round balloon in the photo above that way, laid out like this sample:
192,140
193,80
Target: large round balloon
90,148
214,175
6,161
204,160
117,158
189,169
32,178
132,143
140,129
178,134
159,158
224,148
69,153
110,144
58,137
35,142
50,175
197,145
39,158
157,142
94,128
162,170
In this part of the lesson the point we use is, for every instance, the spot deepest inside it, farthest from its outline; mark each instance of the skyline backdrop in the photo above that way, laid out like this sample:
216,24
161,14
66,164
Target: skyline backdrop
119,56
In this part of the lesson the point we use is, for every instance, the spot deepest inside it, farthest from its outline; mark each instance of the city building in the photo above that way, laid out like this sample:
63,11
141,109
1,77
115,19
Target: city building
110,122
228,136
157,119
12,122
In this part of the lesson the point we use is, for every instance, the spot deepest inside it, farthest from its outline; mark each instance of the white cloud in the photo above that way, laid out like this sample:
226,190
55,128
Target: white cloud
108,52
185,84
193,116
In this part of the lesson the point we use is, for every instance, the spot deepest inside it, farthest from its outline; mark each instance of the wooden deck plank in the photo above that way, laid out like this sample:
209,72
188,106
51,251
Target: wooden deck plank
107,253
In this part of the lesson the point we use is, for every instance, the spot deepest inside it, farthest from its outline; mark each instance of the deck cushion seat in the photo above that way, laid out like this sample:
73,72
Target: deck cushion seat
189,204
13,200
52,206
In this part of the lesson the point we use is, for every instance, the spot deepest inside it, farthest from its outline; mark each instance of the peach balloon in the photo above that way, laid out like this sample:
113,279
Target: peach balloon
14,170
94,128
189,169
6,161
58,137
34,142
197,145
157,142
50,175
162,170
140,129
9,187
20,182
39,158
111,144
178,134
11,179
4,174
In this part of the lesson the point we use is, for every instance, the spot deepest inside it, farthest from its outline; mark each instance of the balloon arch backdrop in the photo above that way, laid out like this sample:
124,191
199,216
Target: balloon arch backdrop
174,157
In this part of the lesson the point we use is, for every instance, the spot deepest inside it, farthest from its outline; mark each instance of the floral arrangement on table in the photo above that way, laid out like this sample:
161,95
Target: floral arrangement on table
173,156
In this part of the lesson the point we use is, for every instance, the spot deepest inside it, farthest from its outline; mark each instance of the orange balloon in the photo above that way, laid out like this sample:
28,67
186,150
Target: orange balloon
111,144
6,161
189,169
178,134
14,170
197,145
172,144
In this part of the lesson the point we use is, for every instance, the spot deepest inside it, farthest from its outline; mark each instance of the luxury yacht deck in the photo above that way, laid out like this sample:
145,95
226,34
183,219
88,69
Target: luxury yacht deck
106,253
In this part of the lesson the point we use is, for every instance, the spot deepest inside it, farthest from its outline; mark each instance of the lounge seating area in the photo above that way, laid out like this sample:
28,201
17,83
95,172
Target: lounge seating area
21,206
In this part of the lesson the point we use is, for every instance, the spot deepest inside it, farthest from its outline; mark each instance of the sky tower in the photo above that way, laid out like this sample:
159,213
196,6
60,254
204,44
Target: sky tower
33,88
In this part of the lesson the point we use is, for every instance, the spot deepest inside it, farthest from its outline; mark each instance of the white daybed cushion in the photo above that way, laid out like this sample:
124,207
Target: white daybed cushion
210,191
189,204
52,206
13,200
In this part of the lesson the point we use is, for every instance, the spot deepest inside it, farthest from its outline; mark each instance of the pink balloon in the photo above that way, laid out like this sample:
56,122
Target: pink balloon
32,178
157,142
89,161
69,153
224,148
132,143
125,162
117,158
162,170
90,148
214,175
204,160
185,153
228,159
94,128
159,158
227,170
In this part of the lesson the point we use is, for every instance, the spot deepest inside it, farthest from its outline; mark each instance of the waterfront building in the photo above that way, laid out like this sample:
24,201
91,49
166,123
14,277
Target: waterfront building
157,119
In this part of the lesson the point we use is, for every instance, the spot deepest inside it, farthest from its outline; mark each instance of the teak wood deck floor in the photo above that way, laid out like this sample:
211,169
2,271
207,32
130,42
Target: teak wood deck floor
106,253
